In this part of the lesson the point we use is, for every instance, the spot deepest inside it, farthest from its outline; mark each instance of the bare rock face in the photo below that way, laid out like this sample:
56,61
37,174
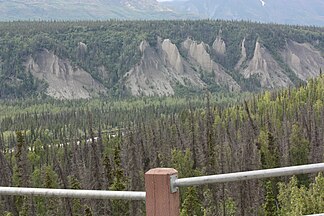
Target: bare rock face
64,80
82,47
148,77
82,50
173,55
198,55
243,56
303,59
219,46
159,70
182,71
266,69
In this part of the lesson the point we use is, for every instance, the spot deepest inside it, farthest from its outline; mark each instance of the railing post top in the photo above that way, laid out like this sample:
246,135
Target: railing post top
162,171
160,201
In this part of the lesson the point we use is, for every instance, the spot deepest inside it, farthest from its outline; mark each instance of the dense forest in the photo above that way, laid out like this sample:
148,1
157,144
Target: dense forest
113,48
110,144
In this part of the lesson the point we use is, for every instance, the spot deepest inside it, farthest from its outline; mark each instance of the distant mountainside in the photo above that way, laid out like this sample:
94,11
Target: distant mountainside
71,60
302,12
83,10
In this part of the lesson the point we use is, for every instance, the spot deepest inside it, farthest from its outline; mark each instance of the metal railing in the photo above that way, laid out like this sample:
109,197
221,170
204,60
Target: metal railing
249,175
67,193
316,215
161,184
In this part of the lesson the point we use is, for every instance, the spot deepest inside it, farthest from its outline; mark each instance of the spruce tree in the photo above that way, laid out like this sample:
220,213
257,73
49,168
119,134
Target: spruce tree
119,207
299,151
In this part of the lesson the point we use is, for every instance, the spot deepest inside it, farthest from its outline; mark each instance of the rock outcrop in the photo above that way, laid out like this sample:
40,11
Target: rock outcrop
159,71
303,59
264,68
64,80
82,50
197,52
163,68
198,55
219,46
180,68
243,56
173,56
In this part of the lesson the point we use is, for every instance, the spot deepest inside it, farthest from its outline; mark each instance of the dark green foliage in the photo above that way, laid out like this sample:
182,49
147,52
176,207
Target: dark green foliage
197,136
191,205
270,207
20,175
295,199
299,151
114,45
88,212
119,207
76,203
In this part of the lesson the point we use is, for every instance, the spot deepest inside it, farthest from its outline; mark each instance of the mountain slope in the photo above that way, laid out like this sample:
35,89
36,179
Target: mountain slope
160,70
132,58
302,12
83,10
64,80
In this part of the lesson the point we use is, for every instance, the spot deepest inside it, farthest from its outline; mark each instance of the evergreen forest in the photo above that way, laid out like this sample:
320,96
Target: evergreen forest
113,48
108,144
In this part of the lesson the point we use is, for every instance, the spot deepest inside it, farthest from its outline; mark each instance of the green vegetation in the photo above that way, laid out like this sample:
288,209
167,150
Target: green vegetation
113,45
99,144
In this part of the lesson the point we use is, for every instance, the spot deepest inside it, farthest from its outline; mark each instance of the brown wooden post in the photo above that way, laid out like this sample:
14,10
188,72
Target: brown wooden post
160,201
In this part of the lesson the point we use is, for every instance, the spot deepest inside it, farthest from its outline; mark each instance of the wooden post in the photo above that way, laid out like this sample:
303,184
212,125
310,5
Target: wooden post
160,201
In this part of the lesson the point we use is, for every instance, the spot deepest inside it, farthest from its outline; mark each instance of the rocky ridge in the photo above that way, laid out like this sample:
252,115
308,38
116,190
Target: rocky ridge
265,69
159,71
219,46
64,80
166,66
303,59
199,55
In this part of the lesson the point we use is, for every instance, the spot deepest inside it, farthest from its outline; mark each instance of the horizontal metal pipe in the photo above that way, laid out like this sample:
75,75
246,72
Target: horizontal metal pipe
241,176
67,193
316,215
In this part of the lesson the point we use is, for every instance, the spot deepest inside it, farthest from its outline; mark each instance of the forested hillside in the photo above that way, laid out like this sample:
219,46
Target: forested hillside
73,60
110,144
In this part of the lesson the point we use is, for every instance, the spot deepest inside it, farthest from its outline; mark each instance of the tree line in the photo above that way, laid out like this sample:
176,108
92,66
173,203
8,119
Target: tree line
75,148
112,47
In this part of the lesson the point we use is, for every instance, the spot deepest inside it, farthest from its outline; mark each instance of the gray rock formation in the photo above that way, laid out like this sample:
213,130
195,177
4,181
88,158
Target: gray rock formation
148,77
198,55
173,55
303,59
159,71
181,69
219,46
266,69
82,50
64,80
163,67
243,56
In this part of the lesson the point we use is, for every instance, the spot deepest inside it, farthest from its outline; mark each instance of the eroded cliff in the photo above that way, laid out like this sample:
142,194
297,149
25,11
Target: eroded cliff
264,68
64,80
303,59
